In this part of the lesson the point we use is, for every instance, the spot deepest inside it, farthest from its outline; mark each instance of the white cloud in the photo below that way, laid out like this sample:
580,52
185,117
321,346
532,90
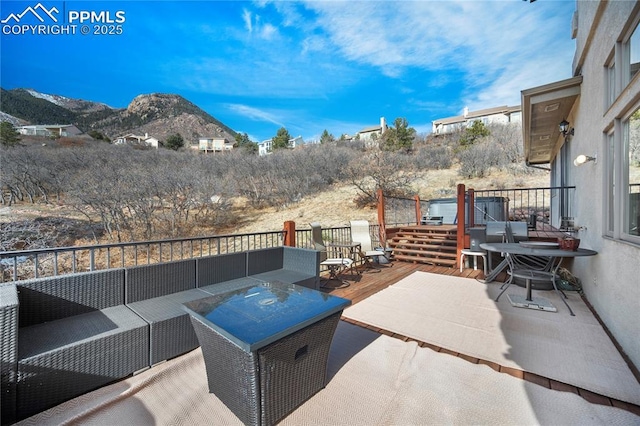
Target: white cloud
246,17
255,114
494,44
268,31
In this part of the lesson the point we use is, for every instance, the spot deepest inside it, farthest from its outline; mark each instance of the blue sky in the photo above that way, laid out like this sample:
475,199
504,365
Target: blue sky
308,66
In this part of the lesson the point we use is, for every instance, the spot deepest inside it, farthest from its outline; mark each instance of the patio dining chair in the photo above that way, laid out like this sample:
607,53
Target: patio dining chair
330,257
360,233
530,268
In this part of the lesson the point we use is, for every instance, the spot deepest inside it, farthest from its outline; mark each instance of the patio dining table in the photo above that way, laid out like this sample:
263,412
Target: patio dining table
550,252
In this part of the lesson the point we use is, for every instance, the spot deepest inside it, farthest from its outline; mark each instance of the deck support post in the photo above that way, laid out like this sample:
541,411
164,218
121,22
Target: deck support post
418,213
382,231
461,221
472,207
289,233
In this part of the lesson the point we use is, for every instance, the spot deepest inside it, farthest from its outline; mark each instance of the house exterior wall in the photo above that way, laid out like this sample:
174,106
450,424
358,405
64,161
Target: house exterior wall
214,145
610,279
264,147
152,142
137,140
49,130
454,124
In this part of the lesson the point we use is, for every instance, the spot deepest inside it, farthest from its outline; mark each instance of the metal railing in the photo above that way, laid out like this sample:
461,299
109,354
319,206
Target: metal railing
25,264
402,211
37,263
528,204
335,234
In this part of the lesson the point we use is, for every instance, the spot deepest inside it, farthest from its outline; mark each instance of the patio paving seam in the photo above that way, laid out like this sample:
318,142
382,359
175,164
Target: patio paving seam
589,396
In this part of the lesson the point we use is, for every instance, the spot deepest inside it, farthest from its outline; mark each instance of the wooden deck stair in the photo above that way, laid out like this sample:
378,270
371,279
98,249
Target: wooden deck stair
435,245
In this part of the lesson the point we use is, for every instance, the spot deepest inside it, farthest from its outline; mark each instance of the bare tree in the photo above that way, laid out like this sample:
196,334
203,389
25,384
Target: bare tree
380,170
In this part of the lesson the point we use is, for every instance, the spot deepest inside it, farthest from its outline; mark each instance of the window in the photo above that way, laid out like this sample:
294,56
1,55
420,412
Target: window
633,46
610,83
631,175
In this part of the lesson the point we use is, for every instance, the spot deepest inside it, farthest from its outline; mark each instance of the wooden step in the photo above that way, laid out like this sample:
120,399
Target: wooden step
436,245
422,259
424,233
438,254
423,247
396,240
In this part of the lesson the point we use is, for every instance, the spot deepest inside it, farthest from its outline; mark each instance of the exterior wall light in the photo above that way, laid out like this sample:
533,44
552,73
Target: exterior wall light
564,128
581,159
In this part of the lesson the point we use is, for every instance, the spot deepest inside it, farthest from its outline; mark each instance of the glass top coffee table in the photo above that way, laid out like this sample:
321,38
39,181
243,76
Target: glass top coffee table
266,346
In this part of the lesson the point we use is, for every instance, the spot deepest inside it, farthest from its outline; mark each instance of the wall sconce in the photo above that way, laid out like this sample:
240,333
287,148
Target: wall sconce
581,159
564,128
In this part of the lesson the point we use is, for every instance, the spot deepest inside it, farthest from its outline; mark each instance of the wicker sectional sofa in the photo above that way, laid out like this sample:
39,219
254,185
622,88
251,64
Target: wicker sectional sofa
63,336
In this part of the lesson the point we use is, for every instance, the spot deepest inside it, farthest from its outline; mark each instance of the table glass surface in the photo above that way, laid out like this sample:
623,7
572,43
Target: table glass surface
255,316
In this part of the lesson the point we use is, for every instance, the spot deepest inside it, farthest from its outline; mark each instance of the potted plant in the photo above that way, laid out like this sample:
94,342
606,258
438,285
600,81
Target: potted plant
568,242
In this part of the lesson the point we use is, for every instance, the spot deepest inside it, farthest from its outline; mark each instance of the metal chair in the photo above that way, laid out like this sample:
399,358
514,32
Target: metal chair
330,257
531,268
360,233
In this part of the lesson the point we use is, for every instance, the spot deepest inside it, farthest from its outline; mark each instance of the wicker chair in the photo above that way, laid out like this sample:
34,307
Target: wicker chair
287,264
8,352
224,272
156,293
75,335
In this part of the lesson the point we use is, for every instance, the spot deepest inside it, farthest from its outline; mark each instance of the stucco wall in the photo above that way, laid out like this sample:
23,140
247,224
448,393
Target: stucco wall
611,280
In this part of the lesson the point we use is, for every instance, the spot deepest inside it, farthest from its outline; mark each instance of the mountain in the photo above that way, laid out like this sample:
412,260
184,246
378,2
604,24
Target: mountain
22,104
160,115
77,105
157,114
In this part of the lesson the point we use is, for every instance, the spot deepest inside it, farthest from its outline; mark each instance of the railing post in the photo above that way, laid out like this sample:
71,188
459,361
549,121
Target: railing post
472,208
418,212
290,233
461,222
382,232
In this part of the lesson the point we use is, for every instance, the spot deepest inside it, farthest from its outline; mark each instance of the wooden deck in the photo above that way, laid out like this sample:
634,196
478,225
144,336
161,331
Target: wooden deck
370,282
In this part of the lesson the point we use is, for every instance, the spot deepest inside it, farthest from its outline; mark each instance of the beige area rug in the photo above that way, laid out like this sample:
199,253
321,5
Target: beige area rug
373,380
460,314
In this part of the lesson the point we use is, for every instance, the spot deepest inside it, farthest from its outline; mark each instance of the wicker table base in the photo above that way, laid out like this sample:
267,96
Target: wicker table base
263,386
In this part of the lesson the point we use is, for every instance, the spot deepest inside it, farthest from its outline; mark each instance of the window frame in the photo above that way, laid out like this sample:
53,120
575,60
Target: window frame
624,202
610,80
610,186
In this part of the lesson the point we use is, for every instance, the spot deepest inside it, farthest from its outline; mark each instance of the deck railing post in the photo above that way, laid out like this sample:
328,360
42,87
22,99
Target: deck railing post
461,222
472,207
382,232
418,212
290,233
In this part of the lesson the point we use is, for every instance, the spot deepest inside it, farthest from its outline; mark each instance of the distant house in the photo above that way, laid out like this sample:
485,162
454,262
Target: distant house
132,139
497,115
371,135
265,147
49,130
213,145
